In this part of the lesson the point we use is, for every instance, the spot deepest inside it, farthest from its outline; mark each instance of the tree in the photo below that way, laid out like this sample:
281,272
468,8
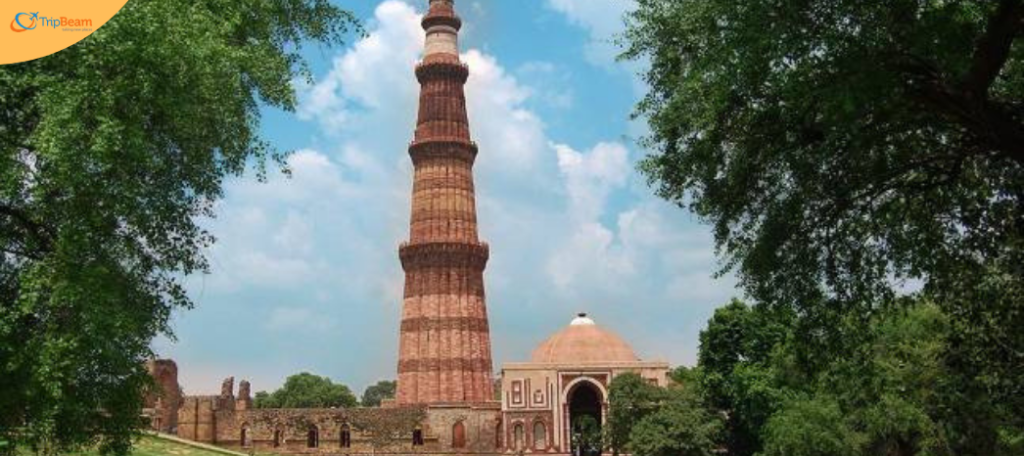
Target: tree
630,399
738,376
111,151
841,148
811,428
374,394
680,427
895,394
306,390
586,436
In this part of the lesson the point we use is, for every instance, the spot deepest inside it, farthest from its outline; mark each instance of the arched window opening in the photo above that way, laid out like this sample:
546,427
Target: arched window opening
540,436
245,439
517,435
459,435
346,436
417,437
277,438
312,437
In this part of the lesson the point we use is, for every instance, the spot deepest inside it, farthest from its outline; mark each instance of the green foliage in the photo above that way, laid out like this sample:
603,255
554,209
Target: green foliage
735,357
684,376
157,446
840,148
648,420
814,427
110,153
374,394
894,394
586,434
680,427
630,399
306,390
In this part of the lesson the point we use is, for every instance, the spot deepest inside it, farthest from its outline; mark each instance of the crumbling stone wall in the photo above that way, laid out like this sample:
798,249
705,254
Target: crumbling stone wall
480,422
221,419
161,404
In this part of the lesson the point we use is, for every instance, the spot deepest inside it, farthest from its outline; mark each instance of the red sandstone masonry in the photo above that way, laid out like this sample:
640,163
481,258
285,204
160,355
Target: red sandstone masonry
444,348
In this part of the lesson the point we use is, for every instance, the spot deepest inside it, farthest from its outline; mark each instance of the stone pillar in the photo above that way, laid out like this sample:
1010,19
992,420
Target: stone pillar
244,400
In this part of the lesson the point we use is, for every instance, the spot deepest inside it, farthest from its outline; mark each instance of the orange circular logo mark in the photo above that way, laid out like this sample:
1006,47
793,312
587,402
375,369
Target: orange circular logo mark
23,28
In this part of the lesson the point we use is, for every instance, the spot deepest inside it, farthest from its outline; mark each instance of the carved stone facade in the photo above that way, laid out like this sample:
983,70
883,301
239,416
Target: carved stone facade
229,421
444,342
567,378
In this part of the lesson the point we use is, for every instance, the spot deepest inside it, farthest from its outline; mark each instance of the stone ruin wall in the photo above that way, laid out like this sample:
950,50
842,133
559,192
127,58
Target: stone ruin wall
161,405
219,420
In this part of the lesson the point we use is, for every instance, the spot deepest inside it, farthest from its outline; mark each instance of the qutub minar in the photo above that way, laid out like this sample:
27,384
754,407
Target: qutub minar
445,344
445,378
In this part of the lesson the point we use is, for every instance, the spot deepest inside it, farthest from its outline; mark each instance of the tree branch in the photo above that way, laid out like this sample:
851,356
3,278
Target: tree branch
35,229
993,123
993,48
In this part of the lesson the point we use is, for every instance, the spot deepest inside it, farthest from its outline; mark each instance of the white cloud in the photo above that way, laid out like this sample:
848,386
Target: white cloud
296,235
603,20
591,176
567,228
374,75
501,124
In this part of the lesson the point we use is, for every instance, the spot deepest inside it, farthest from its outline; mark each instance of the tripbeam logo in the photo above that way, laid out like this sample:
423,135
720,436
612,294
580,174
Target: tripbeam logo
30,29
24,22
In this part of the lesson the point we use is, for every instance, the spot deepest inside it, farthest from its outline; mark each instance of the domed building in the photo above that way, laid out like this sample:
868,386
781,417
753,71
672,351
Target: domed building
565,381
445,402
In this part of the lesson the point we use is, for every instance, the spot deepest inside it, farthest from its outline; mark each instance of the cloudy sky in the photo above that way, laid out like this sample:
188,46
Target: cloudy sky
305,275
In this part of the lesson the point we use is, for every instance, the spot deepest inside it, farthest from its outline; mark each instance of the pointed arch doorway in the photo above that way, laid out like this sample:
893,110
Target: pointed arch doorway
586,407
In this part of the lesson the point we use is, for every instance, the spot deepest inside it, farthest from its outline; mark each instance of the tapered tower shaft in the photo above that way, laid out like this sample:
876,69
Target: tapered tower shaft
445,346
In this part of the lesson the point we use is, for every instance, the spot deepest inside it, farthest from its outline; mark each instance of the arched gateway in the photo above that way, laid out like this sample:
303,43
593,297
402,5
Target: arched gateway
566,384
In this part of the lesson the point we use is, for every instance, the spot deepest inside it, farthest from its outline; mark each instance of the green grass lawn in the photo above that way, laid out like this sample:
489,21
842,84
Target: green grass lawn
152,446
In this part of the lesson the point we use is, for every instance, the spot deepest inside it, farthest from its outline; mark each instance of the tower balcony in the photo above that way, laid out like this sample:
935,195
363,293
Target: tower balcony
418,255
443,148
442,66
441,18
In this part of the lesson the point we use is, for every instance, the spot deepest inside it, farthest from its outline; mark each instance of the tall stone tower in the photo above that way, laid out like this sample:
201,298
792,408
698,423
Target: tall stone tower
445,343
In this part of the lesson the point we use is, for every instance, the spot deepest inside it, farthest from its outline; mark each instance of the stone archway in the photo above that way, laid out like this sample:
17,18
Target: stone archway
459,435
586,407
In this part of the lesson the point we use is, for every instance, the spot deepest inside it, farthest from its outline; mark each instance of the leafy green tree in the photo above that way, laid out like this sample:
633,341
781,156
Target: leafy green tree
630,399
840,148
306,390
111,151
890,389
811,427
738,377
374,394
684,376
682,426
586,435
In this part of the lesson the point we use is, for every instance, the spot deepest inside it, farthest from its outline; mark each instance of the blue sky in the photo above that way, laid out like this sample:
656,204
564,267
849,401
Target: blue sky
305,274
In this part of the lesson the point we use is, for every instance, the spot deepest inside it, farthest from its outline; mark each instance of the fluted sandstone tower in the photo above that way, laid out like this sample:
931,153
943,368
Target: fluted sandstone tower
445,346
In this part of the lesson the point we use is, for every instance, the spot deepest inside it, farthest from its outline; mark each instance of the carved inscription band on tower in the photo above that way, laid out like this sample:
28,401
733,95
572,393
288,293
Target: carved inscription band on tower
445,345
